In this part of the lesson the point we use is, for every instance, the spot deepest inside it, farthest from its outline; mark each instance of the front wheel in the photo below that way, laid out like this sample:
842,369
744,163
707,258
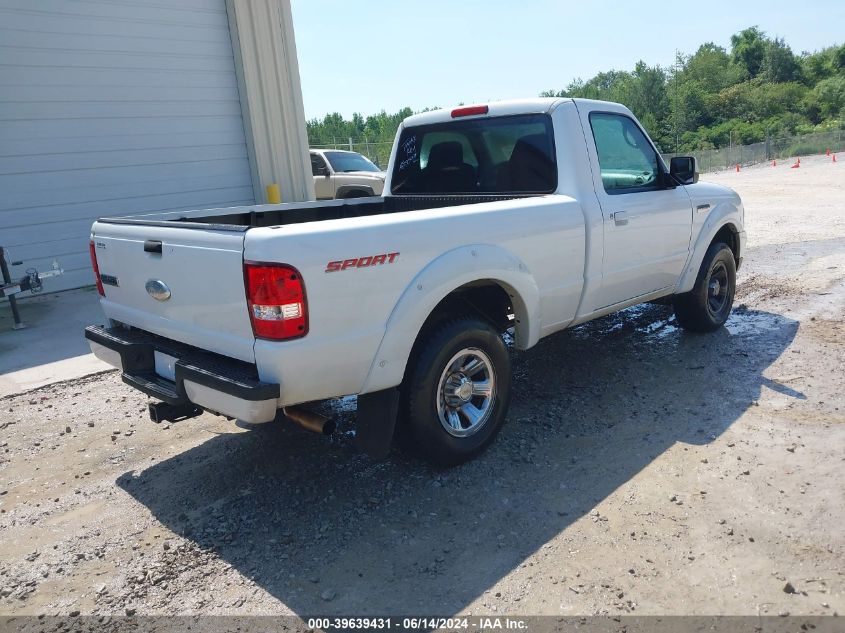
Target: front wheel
456,391
707,306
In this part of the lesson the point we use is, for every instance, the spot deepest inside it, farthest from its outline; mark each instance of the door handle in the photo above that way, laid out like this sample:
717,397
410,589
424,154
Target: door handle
620,218
152,246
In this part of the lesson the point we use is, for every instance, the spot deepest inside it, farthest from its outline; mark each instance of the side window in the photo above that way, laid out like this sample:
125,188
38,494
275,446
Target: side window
626,158
318,165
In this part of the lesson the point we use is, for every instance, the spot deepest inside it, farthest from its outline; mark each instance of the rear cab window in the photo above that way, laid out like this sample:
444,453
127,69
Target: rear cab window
496,155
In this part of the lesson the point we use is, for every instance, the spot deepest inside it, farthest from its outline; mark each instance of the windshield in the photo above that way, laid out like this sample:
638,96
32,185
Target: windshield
509,154
350,161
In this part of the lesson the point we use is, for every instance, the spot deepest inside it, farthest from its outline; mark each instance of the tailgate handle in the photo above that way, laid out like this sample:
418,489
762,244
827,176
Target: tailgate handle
152,246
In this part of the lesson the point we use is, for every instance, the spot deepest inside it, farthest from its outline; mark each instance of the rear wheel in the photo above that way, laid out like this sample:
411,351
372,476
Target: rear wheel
707,306
456,391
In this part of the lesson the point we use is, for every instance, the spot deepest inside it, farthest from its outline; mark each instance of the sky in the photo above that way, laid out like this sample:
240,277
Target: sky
371,55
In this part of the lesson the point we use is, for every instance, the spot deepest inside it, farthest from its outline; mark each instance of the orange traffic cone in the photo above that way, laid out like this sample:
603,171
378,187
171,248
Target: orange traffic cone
799,160
796,165
834,158
828,151
737,167
774,163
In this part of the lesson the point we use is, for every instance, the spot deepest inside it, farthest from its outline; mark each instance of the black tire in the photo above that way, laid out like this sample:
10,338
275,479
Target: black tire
424,412
708,305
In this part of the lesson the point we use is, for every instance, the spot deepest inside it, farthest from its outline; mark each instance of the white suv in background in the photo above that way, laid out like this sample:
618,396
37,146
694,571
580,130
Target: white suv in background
343,174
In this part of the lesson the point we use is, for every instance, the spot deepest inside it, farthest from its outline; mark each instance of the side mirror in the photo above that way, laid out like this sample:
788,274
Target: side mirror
684,169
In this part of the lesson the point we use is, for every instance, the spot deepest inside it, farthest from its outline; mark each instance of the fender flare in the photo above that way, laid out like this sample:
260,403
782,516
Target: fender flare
344,190
478,262
723,214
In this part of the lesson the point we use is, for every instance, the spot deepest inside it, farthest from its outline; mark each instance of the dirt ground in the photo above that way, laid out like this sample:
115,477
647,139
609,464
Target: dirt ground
642,470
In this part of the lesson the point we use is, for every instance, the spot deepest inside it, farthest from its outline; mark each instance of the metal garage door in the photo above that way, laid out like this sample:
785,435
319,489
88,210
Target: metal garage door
106,108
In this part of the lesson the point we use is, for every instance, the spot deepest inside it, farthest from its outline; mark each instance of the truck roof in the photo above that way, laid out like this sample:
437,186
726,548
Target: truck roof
330,149
512,106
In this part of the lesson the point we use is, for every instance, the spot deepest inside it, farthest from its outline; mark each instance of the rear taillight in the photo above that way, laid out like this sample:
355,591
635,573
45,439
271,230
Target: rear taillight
275,296
93,249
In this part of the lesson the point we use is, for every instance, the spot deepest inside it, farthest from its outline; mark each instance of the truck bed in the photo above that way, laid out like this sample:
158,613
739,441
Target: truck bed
243,218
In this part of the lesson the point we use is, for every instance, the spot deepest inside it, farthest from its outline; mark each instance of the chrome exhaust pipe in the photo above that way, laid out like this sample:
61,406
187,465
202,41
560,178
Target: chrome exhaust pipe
309,420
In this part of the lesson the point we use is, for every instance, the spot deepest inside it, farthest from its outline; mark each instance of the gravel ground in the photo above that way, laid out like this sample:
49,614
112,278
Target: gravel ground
642,470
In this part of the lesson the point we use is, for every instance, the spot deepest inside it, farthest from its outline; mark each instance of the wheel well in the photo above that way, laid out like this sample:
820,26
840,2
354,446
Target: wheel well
486,299
356,193
729,235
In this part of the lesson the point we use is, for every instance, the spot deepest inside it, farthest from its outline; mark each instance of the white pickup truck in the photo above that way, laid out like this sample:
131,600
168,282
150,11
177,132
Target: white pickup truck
531,216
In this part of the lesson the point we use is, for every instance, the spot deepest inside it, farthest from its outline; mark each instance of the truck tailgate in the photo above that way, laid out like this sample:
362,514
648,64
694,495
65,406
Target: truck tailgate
201,268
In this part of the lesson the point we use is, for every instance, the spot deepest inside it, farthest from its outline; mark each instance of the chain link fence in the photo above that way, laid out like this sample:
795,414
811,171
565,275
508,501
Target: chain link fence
770,149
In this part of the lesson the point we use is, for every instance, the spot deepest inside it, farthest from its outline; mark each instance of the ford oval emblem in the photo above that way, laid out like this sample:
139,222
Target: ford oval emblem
157,289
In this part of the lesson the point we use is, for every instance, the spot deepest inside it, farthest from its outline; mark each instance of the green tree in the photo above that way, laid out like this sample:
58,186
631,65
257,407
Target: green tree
689,108
779,63
819,65
839,57
711,67
830,95
748,50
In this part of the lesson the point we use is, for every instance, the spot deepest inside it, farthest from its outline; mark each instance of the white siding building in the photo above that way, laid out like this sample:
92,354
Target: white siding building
128,106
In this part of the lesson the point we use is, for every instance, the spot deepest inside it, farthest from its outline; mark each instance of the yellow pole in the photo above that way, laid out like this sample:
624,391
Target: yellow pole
274,196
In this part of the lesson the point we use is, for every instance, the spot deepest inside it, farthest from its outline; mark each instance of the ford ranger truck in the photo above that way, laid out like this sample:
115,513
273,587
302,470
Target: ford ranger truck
530,216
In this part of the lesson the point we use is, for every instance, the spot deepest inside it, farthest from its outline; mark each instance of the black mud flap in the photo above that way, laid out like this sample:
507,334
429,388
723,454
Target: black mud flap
376,422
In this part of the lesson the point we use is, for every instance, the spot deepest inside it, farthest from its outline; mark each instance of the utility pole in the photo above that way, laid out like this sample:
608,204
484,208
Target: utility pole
677,114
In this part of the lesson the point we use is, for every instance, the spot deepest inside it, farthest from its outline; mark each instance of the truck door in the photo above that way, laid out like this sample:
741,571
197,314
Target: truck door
647,225
324,183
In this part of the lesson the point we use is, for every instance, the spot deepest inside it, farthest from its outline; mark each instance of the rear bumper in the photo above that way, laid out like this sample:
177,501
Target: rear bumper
185,374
